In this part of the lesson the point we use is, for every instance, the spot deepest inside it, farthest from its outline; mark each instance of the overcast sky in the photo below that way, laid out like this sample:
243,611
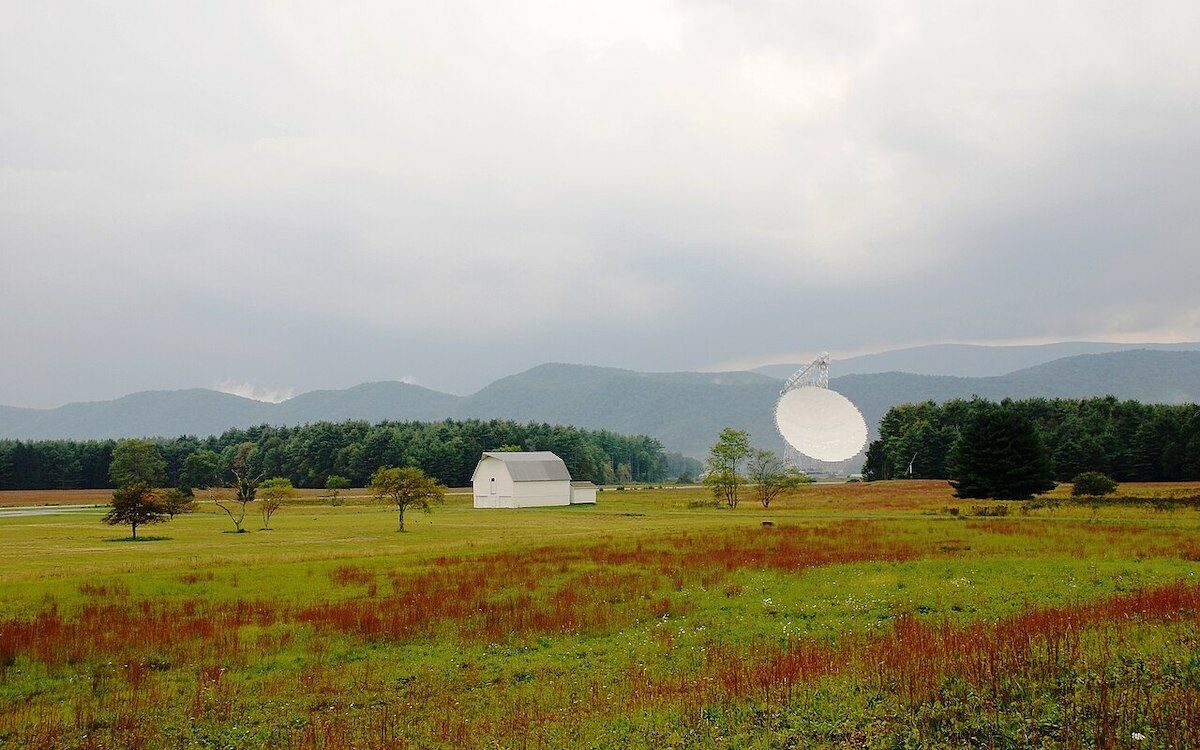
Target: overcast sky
271,198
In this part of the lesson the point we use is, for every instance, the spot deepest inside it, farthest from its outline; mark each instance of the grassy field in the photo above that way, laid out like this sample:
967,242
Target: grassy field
888,615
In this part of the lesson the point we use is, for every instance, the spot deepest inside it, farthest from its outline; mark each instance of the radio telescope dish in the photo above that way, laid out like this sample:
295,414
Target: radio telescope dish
816,421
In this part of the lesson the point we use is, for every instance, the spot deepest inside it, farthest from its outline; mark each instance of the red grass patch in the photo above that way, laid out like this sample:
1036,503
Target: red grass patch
496,597
351,575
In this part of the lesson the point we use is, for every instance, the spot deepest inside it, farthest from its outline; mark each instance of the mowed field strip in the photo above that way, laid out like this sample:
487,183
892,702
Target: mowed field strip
864,615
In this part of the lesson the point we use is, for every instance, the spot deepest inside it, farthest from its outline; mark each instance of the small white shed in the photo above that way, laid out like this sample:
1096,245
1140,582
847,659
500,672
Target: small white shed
583,493
526,479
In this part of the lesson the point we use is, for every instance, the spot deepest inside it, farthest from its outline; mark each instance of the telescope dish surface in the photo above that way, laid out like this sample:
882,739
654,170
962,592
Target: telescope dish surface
820,423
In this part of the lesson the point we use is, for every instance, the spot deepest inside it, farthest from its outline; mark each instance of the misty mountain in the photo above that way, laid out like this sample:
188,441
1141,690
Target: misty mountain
969,360
198,411
684,410
370,401
195,411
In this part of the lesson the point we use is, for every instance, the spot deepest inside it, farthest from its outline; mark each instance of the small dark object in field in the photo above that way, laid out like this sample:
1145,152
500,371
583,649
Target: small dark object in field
768,523
634,515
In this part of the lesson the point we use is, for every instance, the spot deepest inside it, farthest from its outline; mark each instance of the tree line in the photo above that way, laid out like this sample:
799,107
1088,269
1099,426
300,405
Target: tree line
1126,440
309,455
137,469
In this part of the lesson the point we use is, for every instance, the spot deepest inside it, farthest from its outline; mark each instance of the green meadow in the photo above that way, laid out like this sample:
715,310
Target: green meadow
888,615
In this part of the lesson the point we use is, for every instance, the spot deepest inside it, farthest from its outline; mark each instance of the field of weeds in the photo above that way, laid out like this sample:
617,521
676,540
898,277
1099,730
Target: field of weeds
887,615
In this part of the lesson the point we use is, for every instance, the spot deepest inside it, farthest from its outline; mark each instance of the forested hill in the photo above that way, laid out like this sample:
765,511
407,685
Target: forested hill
682,410
685,411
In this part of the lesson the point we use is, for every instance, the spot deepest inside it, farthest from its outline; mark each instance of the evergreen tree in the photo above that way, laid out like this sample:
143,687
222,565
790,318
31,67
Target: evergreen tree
999,455
876,467
7,473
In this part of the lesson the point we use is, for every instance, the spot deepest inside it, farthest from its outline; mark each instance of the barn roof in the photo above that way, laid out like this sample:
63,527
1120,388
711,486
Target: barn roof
532,466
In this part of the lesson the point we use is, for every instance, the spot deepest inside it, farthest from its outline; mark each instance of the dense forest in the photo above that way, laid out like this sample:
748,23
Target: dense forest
1127,440
308,455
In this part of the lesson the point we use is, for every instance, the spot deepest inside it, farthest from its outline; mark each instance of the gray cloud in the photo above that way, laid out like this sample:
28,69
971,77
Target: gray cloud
287,196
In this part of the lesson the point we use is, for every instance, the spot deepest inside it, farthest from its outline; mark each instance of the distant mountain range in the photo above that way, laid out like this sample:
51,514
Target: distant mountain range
684,410
1149,376
970,360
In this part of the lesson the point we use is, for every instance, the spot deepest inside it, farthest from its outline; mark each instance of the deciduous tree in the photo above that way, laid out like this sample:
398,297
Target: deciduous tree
135,505
770,477
406,487
201,470
175,502
731,448
271,496
137,462
334,484
245,484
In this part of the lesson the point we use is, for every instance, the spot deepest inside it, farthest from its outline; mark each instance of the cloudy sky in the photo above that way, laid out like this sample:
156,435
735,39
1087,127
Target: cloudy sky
277,197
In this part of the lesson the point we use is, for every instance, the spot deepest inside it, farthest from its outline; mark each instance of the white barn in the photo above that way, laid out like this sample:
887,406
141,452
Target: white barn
525,480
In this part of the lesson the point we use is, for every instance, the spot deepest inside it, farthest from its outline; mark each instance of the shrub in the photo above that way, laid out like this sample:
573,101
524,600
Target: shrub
989,510
1093,484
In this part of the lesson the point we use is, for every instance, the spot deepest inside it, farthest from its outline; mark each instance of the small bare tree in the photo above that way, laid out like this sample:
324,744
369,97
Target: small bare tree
406,487
245,482
271,495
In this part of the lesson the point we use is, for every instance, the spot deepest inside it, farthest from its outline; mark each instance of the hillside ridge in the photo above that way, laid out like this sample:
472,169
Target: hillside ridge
684,410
